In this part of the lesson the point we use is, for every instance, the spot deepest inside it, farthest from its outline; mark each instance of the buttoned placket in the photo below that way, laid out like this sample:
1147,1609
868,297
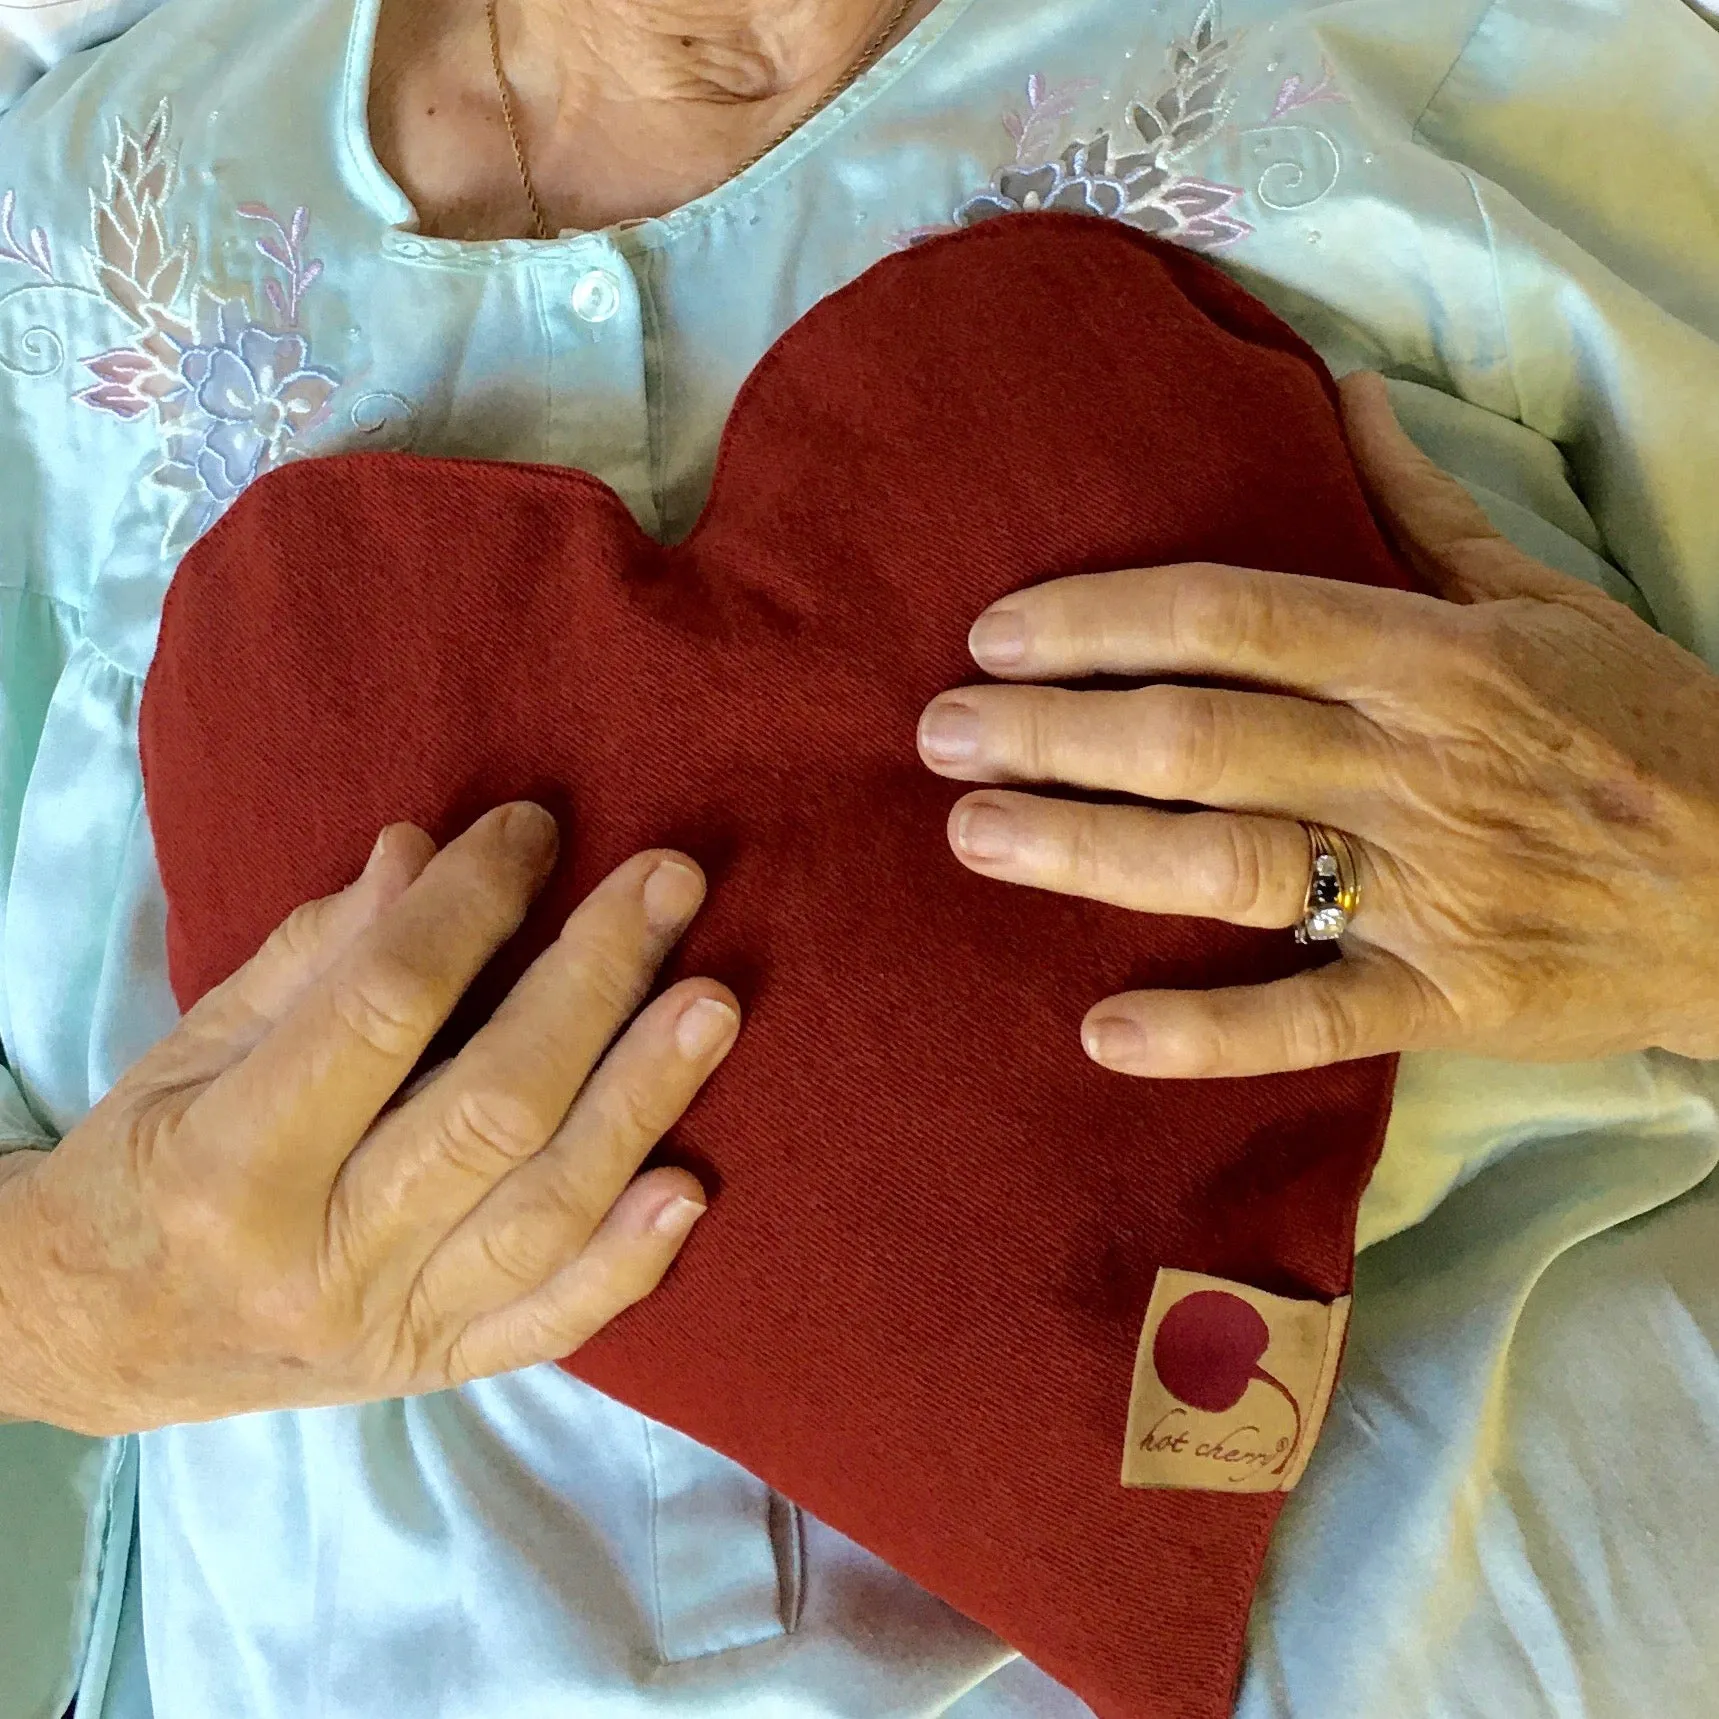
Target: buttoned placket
596,331
724,1551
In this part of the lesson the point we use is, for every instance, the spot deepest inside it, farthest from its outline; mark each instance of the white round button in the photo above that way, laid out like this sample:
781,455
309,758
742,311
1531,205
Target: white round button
597,296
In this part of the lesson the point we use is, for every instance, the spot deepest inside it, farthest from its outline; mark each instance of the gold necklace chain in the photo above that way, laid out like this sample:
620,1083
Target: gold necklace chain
505,90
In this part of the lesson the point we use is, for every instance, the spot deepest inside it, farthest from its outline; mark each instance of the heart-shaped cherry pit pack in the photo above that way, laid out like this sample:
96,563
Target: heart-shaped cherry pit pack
935,1225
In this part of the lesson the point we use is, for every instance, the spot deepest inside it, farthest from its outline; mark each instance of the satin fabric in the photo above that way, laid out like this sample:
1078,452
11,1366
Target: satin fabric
1507,206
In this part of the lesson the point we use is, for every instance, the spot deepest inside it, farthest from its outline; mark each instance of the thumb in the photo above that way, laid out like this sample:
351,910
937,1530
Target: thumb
1436,525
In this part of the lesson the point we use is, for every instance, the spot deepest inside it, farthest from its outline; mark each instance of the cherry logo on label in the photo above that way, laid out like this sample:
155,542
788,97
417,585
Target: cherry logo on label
1207,1352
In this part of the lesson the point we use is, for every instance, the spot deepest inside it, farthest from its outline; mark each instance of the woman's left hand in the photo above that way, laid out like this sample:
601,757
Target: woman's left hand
1528,773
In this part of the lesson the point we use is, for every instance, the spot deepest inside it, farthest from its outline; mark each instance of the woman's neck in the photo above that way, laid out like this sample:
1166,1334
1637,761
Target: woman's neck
626,108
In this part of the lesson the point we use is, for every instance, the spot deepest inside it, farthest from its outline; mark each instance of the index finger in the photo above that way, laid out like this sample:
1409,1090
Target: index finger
308,1093
1319,637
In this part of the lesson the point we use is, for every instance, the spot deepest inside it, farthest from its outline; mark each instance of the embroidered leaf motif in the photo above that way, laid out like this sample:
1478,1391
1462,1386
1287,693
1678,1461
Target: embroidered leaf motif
1191,107
283,245
169,278
1145,121
161,341
157,132
113,398
125,210
231,395
151,250
130,380
1047,108
173,475
152,183
122,365
1193,197
110,240
1140,186
1199,212
1203,96
135,266
123,290
1293,93
34,252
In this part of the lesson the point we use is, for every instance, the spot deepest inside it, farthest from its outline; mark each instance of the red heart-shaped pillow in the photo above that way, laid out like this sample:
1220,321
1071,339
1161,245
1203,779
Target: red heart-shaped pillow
916,1305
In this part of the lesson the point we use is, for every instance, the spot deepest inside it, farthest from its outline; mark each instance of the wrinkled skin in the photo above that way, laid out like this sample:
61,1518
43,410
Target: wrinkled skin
1532,774
257,1217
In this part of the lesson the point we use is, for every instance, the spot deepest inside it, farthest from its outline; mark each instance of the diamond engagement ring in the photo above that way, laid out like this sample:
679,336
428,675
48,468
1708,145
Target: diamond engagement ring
1333,887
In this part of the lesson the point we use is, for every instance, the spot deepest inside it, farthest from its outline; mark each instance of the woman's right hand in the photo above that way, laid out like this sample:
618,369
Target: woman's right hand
250,1220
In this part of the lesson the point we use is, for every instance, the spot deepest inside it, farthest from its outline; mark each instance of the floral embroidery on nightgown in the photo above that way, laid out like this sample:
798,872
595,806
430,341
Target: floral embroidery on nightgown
1136,180
228,382
1293,92
228,385
1131,170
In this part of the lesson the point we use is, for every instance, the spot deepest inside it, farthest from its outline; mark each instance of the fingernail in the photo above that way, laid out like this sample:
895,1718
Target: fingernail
950,733
529,830
1113,1039
985,832
677,1217
672,894
998,639
704,1028
375,858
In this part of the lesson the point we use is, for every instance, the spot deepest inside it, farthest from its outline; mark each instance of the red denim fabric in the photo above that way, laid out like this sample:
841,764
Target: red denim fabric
935,1224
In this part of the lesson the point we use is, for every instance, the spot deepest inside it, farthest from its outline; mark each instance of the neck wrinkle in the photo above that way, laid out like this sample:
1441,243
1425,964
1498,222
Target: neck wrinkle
716,53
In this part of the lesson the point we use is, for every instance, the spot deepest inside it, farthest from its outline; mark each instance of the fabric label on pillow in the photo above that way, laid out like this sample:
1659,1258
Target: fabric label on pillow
1230,1385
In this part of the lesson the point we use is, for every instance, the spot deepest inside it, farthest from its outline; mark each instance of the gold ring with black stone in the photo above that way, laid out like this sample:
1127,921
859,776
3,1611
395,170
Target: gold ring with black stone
1333,887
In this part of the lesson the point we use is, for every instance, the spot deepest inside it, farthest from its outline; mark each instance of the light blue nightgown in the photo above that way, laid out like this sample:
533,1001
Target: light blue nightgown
204,271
